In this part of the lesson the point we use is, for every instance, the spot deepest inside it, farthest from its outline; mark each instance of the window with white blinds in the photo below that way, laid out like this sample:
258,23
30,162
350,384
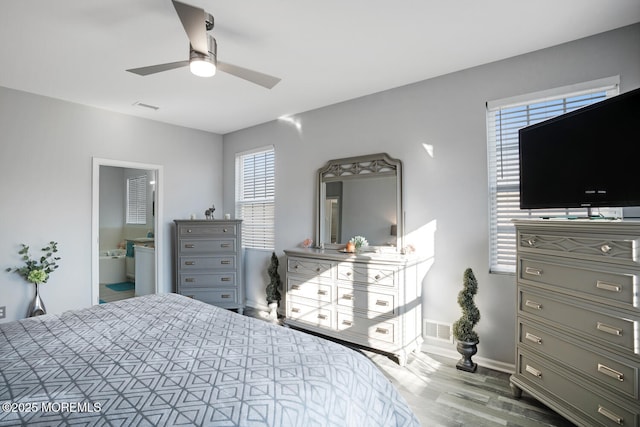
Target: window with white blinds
503,122
255,197
137,200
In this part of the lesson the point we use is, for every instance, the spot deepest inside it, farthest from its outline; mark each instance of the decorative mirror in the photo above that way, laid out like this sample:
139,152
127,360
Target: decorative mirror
361,196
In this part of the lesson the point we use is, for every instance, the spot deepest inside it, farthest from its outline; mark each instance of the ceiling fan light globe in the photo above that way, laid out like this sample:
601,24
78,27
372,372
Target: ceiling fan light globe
202,67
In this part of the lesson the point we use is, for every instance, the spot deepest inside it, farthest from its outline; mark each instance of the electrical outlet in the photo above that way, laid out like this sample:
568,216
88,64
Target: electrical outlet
3,312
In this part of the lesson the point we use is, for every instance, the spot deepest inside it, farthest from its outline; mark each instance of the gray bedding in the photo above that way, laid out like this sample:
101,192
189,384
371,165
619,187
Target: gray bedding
171,360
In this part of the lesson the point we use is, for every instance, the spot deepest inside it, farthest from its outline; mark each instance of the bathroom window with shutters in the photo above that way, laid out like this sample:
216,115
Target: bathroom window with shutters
504,119
255,197
137,200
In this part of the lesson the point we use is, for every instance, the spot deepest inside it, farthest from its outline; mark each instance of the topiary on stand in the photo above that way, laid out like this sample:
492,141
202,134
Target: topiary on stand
463,328
273,288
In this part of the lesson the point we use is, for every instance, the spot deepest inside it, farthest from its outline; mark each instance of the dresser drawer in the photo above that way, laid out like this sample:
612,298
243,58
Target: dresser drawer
314,315
209,262
207,230
367,328
206,280
618,287
211,296
309,289
594,246
620,375
601,410
366,300
367,274
318,268
190,246
609,328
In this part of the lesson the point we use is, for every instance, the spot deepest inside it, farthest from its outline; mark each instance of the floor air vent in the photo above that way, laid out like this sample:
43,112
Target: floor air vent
437,331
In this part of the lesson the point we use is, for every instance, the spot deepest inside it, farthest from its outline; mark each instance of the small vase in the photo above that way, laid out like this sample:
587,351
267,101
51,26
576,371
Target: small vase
467,349
36,308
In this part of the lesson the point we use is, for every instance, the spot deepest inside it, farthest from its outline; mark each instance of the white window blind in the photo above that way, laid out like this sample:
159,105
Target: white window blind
255,197
137,200
503,123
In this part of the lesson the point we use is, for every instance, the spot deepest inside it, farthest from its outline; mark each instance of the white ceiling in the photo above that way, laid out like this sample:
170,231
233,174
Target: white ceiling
325,51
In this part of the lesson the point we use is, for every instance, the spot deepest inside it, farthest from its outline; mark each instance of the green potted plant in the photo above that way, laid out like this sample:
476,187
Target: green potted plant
273,288
463,331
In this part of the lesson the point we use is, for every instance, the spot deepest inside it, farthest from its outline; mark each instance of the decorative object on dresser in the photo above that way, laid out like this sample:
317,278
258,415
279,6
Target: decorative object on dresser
208,257
463,331
578,318
37,272
273,288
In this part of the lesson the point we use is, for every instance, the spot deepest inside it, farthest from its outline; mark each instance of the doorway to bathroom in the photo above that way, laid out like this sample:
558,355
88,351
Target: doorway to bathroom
126,232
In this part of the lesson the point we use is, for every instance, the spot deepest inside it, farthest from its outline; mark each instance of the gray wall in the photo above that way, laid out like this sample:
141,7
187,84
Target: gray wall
45,192
446,196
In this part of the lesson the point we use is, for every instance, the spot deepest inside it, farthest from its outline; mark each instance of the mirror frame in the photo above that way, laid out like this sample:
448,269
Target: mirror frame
359,167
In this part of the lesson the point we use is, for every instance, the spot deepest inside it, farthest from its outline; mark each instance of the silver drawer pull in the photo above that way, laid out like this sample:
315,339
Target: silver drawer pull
189,280
347,322
613,417
382,331
348,273
322,316
605,249
531,241
533,304
225,296
225,245
609,329
533,271
295,310
347,296
322,292
295,267
189,263
225,262
603,369
225,279
534,338
533,371
189,246
377,277
224,230
295,287
382,303
189,230
608,286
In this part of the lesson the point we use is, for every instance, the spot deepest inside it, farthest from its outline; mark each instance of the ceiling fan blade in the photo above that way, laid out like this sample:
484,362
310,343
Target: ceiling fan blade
261,79
194,22
152,69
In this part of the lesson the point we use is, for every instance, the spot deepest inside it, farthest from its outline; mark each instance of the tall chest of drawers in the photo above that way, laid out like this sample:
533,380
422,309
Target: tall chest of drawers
578,318
371,299
208,257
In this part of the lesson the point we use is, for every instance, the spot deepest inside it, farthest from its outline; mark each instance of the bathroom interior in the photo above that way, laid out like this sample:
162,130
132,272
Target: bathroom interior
126,233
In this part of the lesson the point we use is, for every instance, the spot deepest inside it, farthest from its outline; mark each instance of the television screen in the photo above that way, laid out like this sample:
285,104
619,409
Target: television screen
586,158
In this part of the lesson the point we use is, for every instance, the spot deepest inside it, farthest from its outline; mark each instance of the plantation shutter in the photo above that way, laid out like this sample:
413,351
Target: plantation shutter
255,197
137,200
503,122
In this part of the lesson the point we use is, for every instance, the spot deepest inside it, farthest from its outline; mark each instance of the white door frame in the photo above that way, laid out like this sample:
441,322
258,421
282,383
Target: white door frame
95,220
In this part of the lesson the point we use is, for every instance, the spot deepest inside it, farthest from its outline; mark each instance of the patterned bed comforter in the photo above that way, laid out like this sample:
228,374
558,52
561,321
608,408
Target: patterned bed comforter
170,360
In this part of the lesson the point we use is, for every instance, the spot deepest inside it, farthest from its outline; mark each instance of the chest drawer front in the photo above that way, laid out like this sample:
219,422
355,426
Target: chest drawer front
367,328
600,410
366,301
212,296
319,268
207,246
611,329
618,287
596,247
209,262
208,230
367,274
621,376
316,315
206,280
309,289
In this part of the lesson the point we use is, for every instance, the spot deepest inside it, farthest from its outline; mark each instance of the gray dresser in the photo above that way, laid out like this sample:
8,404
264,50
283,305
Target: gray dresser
578,318
208,256
370,299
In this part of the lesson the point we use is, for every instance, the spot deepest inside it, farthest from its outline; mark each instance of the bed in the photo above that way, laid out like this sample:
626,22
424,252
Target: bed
170,360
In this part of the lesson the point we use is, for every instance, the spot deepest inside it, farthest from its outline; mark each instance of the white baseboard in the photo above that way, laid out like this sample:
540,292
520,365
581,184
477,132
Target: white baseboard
482,361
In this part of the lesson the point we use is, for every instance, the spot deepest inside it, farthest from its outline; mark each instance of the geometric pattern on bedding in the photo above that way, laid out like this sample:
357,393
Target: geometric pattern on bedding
171,360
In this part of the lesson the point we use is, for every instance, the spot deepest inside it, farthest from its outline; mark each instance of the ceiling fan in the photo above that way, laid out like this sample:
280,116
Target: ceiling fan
203,59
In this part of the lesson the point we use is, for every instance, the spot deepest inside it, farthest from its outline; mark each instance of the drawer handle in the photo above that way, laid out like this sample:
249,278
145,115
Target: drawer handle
377,277
531,241
317,269
225,245
322,316
225,296
382,303
322,292
605,249
189,263
348,273
224,230
295,267
347,296
225,279
609,329
603,369
189,246
225,262
295,287
190,280
612,416
533,271
608,286
534,338
533,304
189,230
347,322
533,371
382,331
295,310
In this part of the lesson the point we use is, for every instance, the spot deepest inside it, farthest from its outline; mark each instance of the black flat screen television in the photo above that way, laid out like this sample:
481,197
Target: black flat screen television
587,158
